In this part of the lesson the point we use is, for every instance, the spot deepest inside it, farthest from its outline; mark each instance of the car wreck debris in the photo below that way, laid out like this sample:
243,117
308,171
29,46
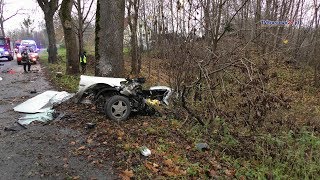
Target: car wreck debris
118,97
40,102
145,151
90,125
202,146
16,127
45,116
40,107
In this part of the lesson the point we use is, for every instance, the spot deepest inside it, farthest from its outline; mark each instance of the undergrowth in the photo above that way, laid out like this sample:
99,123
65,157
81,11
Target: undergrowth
284,146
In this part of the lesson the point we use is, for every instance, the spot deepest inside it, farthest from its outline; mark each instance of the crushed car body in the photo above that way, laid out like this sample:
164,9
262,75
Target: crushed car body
118,97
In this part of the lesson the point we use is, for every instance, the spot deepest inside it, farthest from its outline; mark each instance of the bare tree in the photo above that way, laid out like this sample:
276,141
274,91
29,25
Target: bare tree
27,24
109,38
49,8
83,19
69,37
4,19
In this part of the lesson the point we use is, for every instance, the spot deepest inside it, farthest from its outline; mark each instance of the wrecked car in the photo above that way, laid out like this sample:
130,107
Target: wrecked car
118,97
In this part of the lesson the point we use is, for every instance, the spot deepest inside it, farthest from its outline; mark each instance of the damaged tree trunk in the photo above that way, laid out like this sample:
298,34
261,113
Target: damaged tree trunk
109,38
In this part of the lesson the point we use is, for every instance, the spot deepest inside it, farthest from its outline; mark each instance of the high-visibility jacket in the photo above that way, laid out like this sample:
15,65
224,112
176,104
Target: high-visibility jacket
83,59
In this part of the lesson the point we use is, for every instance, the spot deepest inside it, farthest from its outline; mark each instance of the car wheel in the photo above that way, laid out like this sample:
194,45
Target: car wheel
117,108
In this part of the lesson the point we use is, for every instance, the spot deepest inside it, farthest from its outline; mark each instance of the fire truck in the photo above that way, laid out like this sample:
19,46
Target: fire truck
5,48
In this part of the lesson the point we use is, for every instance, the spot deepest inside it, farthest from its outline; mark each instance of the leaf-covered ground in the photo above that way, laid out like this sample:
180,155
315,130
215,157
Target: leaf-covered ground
173,148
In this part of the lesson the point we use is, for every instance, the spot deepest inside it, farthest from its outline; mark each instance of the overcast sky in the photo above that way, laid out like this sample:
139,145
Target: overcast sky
30,8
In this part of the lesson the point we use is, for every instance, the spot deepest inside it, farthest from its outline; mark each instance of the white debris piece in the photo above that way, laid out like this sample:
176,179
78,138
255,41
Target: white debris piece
38,103
0,78
145,151
39,108
43,117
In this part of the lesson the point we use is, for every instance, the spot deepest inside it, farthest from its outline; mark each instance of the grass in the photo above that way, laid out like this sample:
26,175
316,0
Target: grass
64,82
287,155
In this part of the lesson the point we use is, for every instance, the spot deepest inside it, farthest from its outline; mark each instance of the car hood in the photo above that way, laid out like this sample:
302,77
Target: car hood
87,82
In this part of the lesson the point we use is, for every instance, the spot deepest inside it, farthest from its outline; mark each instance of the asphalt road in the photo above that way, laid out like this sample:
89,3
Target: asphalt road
15,87
40,151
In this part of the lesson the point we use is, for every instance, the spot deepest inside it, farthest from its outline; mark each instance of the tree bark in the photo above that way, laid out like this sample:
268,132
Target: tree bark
49,8
109,38
70,37
133,23
80,28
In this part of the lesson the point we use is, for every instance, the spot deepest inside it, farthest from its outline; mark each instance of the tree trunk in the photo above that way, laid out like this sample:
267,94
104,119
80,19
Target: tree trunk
133,23
80,28
2,29
49,8
52,49
70,37
109,38
316,47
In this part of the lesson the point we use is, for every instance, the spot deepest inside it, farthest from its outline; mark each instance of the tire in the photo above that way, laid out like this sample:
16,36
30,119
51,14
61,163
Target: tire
117,108
19,62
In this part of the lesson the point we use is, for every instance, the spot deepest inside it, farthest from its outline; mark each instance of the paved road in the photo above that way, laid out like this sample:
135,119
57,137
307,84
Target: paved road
16,86
39,152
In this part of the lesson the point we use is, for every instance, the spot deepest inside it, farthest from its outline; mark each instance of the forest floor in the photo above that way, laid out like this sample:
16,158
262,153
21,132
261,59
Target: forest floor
289,153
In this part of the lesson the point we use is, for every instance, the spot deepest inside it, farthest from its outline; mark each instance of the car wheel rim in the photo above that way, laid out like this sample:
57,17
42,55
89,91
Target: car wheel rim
119,109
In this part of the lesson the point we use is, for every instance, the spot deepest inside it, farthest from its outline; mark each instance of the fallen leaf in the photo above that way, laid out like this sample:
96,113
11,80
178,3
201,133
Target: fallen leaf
168,162
126,146
136,145
155,165
89,141
215,164
213,173
81,148
72,143
229,172
151,167
75,177
169,173
90,157
120,133
145,124
126,175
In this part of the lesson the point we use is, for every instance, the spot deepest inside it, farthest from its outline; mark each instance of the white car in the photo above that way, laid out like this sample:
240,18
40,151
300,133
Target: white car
118,97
